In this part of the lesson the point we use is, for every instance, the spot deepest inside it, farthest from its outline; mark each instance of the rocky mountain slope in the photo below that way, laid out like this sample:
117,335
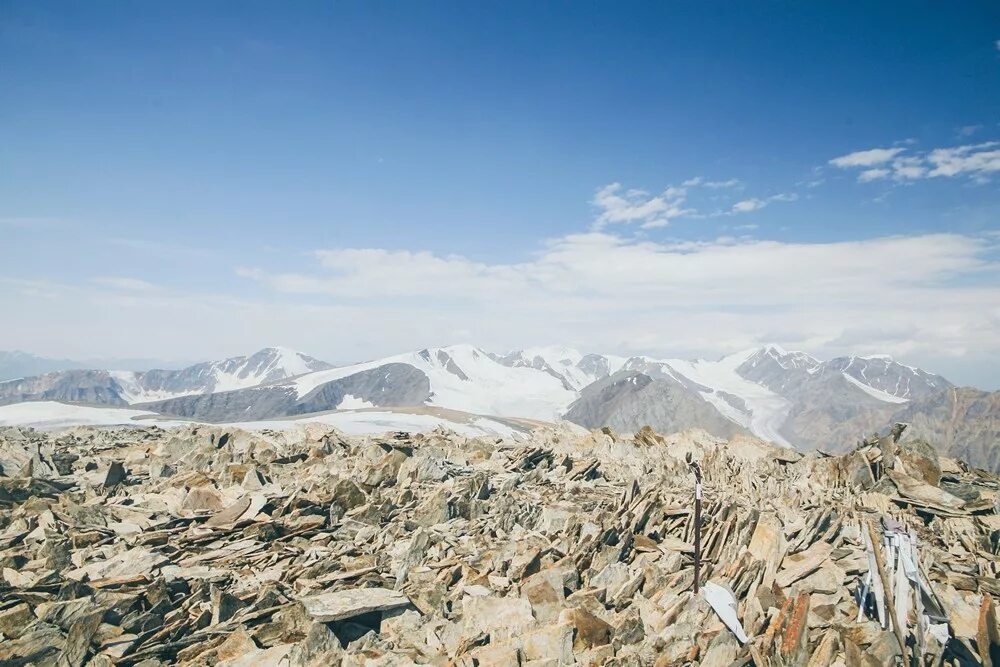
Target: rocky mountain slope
388,385
656,400
961,422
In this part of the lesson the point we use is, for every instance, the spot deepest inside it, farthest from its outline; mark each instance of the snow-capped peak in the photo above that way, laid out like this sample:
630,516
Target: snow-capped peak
553,354
888,377
286,362
570,366
788,360
271,364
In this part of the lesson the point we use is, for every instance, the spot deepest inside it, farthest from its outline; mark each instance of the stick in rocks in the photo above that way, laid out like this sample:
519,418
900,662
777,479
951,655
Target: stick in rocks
697,518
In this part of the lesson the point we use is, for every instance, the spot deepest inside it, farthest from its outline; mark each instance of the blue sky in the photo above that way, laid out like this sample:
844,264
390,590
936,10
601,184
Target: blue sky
356,179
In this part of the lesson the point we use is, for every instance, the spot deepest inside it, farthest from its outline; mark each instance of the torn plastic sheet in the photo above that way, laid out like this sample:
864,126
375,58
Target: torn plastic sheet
724,604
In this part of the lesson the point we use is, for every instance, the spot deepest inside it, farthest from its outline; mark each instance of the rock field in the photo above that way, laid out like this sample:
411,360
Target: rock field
212,546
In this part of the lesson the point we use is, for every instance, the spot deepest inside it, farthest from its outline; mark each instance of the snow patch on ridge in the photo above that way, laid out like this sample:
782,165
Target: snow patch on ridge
872,391
767,410
132,391
350,402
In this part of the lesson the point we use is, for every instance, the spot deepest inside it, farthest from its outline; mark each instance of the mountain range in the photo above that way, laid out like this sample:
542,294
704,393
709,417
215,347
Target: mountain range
17,364
789,398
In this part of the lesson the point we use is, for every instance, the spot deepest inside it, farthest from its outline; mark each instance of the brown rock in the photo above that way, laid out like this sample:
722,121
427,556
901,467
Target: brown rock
589,631
14,620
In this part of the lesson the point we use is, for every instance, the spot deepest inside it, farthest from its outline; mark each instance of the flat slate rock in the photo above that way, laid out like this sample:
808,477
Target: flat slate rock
339,605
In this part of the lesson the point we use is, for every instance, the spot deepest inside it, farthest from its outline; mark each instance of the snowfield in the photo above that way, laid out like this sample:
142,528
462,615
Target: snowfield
52,416
487,388
132,392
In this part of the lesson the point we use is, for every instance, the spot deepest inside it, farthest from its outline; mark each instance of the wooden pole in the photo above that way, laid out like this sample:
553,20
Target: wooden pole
697,520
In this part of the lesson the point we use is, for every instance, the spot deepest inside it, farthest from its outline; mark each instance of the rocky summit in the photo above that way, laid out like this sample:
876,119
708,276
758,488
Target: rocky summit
207,545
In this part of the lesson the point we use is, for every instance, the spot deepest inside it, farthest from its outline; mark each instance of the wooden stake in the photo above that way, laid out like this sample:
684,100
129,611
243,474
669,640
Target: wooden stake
697,520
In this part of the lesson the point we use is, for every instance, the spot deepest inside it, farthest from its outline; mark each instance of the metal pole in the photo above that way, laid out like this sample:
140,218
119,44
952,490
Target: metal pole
697,519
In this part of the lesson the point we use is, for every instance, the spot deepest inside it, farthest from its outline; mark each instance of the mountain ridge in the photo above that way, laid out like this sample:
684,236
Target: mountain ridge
787,397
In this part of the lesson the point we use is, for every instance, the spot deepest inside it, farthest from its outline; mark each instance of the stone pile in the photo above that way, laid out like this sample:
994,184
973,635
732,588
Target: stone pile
216,546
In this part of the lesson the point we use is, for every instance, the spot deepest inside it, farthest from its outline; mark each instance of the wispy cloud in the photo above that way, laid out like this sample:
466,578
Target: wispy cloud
715,185
755,203
731,183
866,158
617,205
605,291
602,284
976,161
748,205
967,131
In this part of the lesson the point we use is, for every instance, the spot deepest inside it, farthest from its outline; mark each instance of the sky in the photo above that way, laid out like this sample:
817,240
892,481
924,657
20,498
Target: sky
189,181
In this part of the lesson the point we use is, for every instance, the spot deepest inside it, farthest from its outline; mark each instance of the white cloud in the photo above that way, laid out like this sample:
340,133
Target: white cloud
731,183
755,203
976,161
873,175
908,168
922,296
867,158
747,205
639,296
617,206
784,196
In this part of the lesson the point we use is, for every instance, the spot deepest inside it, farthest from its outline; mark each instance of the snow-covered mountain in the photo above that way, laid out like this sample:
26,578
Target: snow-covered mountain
271,364
463,377
889,377
15,364
789,398
460,377
769,392
574,369
114,387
